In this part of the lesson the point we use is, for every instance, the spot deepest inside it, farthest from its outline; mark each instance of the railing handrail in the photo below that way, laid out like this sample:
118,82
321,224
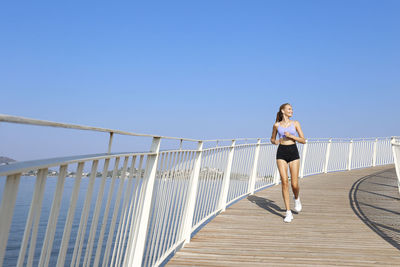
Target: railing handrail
23,120
30,121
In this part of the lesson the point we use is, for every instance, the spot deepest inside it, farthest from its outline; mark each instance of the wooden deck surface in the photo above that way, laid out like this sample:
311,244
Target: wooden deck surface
349,218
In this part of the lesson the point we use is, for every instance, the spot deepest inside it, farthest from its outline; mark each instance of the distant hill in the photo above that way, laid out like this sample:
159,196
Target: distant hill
5,160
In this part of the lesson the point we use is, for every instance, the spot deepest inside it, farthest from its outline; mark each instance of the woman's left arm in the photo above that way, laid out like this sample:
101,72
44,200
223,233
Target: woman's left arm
301,138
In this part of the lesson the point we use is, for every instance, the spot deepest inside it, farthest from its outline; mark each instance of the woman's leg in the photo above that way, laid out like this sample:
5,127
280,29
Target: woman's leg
282,167
294,167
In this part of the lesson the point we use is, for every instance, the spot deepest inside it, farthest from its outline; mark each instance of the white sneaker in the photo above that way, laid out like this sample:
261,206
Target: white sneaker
297,204
289,216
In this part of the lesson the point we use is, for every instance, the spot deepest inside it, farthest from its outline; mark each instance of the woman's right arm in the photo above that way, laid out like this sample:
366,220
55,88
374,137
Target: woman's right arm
273,136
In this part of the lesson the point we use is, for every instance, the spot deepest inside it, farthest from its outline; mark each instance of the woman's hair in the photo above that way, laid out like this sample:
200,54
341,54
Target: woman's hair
279,115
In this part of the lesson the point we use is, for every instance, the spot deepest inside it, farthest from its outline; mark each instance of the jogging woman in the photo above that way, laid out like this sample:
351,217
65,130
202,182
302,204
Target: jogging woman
288,154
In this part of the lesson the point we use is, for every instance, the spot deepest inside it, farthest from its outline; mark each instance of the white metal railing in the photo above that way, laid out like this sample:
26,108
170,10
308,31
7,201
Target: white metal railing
396,155
137,209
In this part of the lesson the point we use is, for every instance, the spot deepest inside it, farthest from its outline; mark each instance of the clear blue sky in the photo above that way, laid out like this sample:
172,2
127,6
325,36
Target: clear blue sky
201,69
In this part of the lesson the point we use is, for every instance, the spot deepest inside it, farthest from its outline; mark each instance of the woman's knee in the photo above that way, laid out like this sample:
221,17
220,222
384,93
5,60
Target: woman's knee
295,186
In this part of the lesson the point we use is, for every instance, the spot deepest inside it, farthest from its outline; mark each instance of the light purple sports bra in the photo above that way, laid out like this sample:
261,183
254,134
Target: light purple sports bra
291,129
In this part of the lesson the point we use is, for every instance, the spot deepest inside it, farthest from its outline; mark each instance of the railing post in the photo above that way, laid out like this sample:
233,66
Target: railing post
303,156
374,153
253,175
187,221
328,152
225,182
350,155
276,176
110,142
134,253
396,160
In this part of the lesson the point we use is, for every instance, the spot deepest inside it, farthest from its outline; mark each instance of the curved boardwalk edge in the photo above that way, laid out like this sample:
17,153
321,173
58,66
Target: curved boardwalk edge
327,231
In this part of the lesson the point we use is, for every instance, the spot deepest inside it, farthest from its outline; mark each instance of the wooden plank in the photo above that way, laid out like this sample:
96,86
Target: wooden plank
328,231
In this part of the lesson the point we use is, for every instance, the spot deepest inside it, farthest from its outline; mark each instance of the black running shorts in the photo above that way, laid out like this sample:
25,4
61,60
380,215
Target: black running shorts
288,152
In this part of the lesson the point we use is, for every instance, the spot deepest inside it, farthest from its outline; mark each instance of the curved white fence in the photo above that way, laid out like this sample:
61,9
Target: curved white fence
137,209
396,155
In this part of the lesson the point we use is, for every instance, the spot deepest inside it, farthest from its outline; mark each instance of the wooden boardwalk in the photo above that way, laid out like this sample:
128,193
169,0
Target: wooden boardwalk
349,218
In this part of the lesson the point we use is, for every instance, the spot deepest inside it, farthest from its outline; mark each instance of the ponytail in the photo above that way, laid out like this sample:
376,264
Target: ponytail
279,115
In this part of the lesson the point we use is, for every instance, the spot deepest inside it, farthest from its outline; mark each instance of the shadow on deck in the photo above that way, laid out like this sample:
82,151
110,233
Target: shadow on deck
375,200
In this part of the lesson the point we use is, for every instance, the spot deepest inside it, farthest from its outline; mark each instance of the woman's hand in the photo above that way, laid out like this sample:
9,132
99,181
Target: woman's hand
288,135
275,142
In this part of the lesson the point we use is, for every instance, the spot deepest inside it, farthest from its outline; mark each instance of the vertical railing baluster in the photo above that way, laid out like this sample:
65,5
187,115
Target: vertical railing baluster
237,172
203,211
170,194
166,203
7,210
213,177
369,162
70,216
76,256
93,228
244,163
176,200
277,176
246,152
173,202
164,198
263,168
134,256
105,215
186,195
191,199
361,153
303,159
52,222
117,203
155,213
350,155
327,155
200,186
225,182
123,221
32,245
34,214
253,175
135,207
161,203
341,163
110,142
396,146
259,173
374,153
217,180
181,190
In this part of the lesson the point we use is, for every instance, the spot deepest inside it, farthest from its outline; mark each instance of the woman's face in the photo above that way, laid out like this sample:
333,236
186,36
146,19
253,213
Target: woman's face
288,111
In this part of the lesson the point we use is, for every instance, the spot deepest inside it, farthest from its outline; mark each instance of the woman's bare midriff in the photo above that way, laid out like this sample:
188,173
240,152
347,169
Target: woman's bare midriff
286,141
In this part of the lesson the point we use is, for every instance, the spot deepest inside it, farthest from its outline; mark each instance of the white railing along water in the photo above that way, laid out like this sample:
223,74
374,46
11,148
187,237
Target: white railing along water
396,156
137,209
